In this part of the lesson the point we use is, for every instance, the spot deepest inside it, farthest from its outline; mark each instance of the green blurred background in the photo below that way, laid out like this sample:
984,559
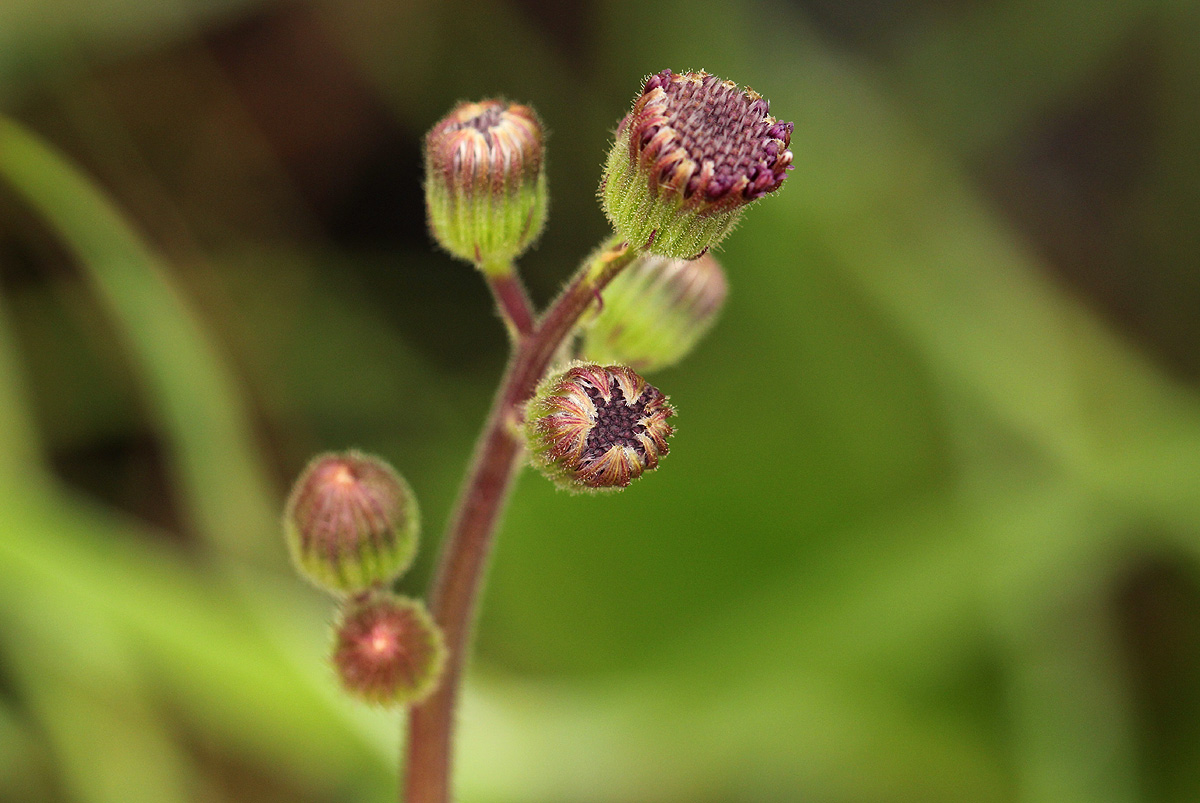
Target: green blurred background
930,528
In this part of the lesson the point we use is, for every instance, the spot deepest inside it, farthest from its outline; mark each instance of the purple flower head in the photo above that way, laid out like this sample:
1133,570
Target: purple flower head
707,139
486,145
690,156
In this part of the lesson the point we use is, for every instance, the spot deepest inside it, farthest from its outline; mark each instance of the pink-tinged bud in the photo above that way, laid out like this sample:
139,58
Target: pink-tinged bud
595,428
693,152
351,523
485,189
387,650
655,311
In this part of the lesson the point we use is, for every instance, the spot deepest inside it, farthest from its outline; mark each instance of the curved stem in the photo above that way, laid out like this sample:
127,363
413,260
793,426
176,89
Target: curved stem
470,533
512,301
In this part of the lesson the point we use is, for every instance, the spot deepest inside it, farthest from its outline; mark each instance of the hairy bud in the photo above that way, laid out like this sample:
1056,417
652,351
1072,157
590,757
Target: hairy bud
351,522
655,311
387,650
692,153
485,189
596,428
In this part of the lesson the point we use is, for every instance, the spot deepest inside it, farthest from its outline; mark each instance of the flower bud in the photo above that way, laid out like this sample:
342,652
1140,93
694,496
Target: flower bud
693,152
351,522
485,190
596,428
387,649
655,311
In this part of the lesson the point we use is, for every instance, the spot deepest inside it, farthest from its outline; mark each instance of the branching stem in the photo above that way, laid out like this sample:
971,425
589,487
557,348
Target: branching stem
468,540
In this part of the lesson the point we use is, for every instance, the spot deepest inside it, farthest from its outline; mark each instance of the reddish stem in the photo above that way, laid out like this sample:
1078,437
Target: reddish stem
513,303
470,533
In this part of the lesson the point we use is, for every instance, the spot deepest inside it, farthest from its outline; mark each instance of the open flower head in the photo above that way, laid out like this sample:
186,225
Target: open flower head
691,154
485,187
596,428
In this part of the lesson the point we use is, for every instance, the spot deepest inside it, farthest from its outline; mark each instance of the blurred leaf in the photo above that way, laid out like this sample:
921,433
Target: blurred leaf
19,454
38,37
20,759
978,77
108,748
219,469
1073,729
198,638
648,740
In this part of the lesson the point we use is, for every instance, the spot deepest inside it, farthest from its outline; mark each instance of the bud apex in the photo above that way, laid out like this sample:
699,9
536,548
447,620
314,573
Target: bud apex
351,523
655,311
485,190
387,649
693,152
596,428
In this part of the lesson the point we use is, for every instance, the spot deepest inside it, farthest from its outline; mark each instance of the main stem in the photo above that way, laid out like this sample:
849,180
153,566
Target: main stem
470,533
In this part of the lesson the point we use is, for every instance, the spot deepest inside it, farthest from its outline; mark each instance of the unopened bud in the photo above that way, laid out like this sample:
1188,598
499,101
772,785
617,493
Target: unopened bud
655,311
351,522
595,428
692,153
387,650
485,189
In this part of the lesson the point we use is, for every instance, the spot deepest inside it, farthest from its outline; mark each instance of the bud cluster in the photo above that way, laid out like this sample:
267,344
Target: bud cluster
351,524
693,151
485,189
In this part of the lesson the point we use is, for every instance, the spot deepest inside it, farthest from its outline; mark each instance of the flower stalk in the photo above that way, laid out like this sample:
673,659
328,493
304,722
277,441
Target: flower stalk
469,537
512,302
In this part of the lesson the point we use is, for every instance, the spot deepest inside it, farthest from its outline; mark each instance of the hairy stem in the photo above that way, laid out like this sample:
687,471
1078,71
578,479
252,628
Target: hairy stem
468,540
513,303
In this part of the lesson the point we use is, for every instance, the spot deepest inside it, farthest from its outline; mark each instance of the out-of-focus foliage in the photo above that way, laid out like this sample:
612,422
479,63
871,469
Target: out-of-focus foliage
930,527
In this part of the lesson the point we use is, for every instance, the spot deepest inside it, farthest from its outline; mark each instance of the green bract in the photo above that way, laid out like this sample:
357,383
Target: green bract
658,218
655,311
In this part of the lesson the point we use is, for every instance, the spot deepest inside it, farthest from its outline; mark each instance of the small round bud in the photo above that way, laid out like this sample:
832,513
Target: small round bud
485,189
596,428
388,650
655,311
692,153
351,522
